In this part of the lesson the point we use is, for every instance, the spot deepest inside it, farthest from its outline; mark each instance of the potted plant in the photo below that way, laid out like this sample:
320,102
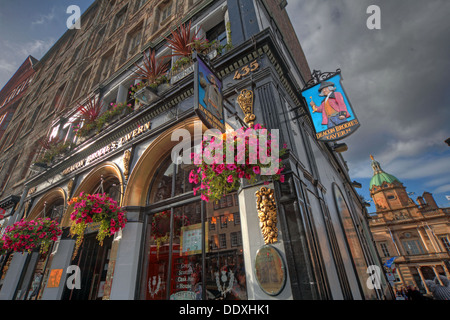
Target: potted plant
29,235
215,177
114,113
183,41
148,74
54,149
95,208
163,84
90,111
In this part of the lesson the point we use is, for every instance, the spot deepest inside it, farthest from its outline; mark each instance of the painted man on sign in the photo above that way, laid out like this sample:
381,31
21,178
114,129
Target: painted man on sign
333,118
333,108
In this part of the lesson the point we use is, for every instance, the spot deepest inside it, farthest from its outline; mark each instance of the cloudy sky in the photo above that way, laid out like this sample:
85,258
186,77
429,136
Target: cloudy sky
395,77
30,27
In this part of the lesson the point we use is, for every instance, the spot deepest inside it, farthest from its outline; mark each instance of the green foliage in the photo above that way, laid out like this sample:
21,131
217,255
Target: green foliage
54,151
104,119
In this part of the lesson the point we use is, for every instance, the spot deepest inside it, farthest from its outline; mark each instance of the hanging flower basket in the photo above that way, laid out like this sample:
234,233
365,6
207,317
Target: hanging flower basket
28,235
95,208
218,177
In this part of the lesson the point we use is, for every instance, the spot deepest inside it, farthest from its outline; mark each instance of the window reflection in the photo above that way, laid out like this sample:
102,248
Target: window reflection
225,277
174,258
352,240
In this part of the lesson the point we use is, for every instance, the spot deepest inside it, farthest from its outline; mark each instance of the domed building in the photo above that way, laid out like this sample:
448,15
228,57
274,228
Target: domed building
387,192
412,238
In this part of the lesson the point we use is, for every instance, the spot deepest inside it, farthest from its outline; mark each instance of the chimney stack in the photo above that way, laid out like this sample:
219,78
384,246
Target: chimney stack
430,200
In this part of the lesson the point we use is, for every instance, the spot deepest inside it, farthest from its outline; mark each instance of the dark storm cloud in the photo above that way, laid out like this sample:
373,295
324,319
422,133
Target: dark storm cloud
397,79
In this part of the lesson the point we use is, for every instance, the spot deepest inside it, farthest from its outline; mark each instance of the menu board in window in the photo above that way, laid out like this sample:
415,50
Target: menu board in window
191,239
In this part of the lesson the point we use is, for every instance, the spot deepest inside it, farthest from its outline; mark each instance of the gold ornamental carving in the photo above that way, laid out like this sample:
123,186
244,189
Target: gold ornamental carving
25,210
70,187
267,214
126,163
245,101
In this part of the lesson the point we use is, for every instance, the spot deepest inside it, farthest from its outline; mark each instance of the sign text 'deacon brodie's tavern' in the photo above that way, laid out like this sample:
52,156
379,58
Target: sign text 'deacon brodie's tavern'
110,147
332,115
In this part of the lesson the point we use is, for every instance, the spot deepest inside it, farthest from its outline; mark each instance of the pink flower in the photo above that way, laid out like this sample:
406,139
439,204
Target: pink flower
230,179
256,170
195,190
282,178
220,168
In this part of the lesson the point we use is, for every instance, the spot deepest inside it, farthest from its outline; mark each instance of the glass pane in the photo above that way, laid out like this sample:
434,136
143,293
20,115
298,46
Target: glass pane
225,273
182,184
353,241
186,277
184,258
163,184
158,256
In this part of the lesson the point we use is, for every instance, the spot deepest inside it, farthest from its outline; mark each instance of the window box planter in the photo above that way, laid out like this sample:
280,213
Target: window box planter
147,94
181,72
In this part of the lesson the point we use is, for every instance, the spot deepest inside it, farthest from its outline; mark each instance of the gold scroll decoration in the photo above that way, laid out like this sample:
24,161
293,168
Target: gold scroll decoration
267,214
126,163
245,101
70,187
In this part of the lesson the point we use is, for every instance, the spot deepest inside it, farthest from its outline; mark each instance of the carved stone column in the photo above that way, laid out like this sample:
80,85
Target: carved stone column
423,280
437,275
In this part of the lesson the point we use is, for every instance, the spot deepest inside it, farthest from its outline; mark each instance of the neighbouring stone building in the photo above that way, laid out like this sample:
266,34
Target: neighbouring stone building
174,245
11,97
414,235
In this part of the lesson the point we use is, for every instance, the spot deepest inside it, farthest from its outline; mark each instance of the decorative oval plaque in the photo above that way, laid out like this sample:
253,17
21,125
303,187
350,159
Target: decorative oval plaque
270,270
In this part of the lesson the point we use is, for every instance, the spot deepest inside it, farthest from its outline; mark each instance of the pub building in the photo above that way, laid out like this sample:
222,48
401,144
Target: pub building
176,245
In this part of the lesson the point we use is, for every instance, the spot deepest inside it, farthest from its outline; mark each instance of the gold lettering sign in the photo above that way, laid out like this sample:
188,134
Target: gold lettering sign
110,147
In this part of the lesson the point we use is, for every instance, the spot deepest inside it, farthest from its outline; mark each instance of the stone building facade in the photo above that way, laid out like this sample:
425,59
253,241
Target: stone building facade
413,236
324,245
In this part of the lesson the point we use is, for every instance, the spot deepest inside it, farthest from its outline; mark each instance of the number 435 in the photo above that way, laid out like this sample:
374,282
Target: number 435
245,70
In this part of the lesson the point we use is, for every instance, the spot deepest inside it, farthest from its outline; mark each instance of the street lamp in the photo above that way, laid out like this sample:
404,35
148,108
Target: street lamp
340,147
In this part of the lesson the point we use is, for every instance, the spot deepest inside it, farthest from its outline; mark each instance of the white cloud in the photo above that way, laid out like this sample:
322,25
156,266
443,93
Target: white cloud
442,189
396,80
44,18
14,54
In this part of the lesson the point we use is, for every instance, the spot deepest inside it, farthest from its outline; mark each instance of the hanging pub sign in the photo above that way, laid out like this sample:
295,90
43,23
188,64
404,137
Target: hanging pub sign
208,95
332,116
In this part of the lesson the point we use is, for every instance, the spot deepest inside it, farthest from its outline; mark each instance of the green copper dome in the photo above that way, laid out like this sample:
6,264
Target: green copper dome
379,176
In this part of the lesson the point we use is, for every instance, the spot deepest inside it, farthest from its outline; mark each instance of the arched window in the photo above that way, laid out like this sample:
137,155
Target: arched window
164,181
353,241
193,250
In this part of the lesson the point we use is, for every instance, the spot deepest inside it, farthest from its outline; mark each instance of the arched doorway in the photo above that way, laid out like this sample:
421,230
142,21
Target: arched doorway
35,274
95,261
